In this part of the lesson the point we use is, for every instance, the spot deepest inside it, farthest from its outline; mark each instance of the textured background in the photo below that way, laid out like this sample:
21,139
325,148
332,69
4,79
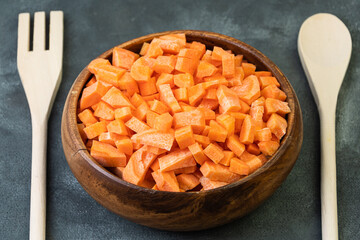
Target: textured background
91,27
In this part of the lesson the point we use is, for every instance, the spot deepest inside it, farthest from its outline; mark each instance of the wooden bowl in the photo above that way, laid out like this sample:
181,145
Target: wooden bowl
183,211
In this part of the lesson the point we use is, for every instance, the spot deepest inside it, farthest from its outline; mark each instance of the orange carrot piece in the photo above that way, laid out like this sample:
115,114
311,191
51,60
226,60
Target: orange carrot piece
166,181
195,94
208,113
180,38
238,60
187,170
239,167
198,153
104,111
87,117
211,94
204,140
159,107
234,144
258,102
228,99
155,138
92,95
253,149
107,155
184,137
190,53
228,65
251,160
165,78
149,87
217,132
176,159
91,82
263,158
218,172
209,103
110,138
263,135
170,46
256,114
187,181
136,125
155,165
186,65
167,96
249,91
154,49
228,122
165,64
136,100
245,108
163,122
228,155
276,106
123,58
195,119
109,74
217,53
129,84
94,130
125,145
94,64
266,81
209,184
272,91
150,118
181,94
277,125
205,69
263,74
198,46
183,80
238,77
214,152
152,97
123,113
140,70
144,48
247,132
249,69
268,148
141,111
239,118
115,98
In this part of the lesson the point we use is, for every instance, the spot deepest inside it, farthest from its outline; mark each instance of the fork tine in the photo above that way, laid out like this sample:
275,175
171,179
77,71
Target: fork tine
56,31
24,33
39,31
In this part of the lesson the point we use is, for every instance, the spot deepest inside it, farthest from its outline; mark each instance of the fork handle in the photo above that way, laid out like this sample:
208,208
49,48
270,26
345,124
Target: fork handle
328,174
38,181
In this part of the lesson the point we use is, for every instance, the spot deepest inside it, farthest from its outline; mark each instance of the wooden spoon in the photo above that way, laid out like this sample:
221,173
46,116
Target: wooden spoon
324,45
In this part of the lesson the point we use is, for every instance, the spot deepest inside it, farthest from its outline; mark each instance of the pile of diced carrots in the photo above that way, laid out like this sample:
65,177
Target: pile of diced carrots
179,117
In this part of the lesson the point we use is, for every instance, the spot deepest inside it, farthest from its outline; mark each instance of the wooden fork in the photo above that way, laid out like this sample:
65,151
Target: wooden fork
40,71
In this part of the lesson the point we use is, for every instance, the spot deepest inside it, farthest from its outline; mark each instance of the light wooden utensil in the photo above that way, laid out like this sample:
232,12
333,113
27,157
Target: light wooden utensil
324,45
40,71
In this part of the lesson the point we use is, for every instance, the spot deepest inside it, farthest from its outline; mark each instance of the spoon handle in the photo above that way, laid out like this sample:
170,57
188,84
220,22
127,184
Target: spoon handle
328,174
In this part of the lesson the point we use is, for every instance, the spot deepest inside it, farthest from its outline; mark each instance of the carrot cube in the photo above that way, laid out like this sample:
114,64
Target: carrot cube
184,137
117,126
190,53
191,169
163,122
218,172
228,122
228,99
166,181
140,70
251,160
253,149
249,90
272,91
276,106
217,132
263,135
256,114
228,65
115,98
268,148
165,64
159,107
249,69
136,100
141,111
181,94
214,152
87,117
150,118
123,58
110,137
266,81
209,184
92,95
94,130
125,145
149,87
209,103
205,69
176,159
247,132
239,167
195,94
144,48
155,138
238,60
94,64
104,111
199,46
277,125
165,78
183,80
197,151
107,155
187,181
228,155
136,125
201,139
154,49
234,144
155,165
239,118
123,113
208,113
195,119
186,65
263,74
167,96
128,84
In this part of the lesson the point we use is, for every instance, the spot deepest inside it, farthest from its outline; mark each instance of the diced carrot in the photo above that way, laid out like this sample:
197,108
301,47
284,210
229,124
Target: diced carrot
183,80
165,64
251,160
123,58
91,82
239,118
129,84
197,151
217,53
228,99
195,119
208,113
272,91
253,149
258,102
204,140
187,181
165,78
208,57
166,181
136,100
238,77
191,169
211,94
199,46
155,138
169,46
137,146
239,167
144,48
141,111
93,94
249,69
245,108
263,74
214,152
115,98
149,87
186,65
123,113
87,117
217,132
277,125
209,103
136,125
163,122
150,118
180,38
234,144
94,130
228,155
190,53
154,49
249,91
228,65
94,64
154,150
107,155
195,94
228,122
155,165
140,70
184,137
152,97
263,158
110,137
247,132
205,69
159,107
104,111
276,106
167,96
209,184
268,148
109,74
181,94
256,114
263,135
238,60
218,172
176,159
266,81
125,145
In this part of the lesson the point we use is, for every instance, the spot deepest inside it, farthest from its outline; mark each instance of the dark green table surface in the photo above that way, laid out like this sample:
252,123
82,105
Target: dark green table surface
91,27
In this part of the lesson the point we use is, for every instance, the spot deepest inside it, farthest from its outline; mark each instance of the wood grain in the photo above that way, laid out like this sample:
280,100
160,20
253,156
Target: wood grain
183,211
